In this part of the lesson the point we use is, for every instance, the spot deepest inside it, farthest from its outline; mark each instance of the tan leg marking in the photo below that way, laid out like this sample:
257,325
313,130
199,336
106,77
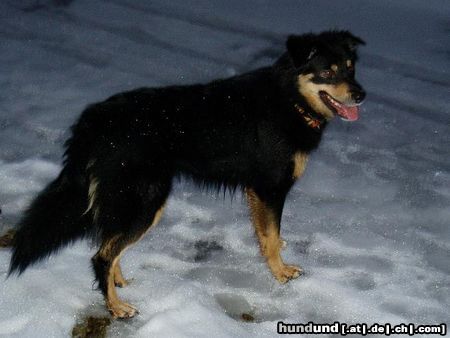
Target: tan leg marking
300,160
118,276
270,243
115,305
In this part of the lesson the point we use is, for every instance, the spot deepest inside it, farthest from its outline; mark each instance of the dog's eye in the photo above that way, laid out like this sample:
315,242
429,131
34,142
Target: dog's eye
327,74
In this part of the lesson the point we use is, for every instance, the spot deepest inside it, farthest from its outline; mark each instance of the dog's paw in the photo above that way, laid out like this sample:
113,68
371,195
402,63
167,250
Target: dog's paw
122,310
287,272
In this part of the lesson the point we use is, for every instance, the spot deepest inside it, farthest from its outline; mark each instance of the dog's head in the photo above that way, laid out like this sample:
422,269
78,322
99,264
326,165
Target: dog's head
325,72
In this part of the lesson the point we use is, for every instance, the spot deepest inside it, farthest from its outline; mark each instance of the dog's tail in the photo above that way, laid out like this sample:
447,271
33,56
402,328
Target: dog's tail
54,219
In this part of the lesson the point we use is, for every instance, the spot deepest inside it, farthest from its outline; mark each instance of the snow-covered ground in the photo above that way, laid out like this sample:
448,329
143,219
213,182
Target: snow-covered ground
369,221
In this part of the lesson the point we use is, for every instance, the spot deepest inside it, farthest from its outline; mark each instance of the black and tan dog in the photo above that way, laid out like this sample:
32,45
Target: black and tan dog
252,131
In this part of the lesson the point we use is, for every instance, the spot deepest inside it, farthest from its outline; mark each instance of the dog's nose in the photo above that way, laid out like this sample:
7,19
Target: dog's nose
358,95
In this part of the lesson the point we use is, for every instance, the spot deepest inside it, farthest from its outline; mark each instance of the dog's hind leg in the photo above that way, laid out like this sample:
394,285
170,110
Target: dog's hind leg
123,219
119,280
266,217
103,262
106,265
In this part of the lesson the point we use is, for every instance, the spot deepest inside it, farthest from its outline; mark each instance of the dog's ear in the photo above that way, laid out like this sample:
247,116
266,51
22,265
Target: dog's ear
301,48
350,41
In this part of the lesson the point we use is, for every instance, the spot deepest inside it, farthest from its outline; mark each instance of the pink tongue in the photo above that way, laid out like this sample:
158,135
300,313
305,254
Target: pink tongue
348,113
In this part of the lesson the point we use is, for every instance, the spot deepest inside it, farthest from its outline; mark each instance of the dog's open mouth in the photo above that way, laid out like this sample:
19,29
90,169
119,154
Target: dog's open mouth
348,113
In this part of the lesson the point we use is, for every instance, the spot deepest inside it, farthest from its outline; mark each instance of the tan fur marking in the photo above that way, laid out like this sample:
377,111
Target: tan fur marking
349,63
92,195
310,91
334,67
260,216
158,215
119,280
341,92
118,308
270,244
107,247
300,160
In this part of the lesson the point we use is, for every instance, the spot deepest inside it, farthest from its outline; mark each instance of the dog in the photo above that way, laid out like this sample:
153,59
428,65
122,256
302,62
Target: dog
251,132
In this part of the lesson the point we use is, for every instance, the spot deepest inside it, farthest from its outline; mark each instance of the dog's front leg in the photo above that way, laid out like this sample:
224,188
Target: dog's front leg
266,216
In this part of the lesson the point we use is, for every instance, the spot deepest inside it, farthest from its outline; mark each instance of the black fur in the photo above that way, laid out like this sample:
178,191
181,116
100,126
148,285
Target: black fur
235,133
53,220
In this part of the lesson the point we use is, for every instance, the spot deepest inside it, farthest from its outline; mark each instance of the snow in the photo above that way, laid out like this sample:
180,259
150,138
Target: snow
368,221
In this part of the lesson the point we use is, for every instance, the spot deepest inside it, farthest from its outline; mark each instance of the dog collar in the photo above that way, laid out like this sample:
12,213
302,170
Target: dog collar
312,121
